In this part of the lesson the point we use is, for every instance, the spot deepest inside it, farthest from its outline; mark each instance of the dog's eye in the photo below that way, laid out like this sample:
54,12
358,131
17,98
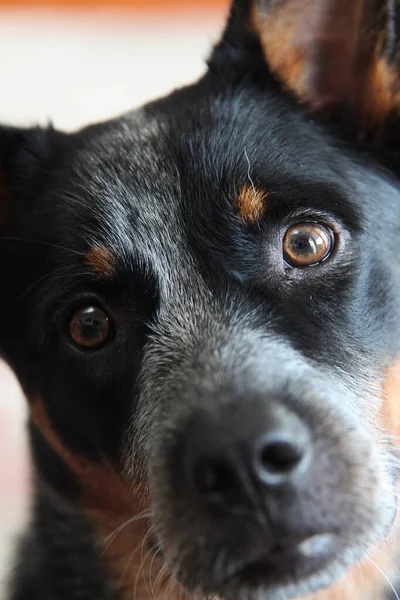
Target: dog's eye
307,244
90,327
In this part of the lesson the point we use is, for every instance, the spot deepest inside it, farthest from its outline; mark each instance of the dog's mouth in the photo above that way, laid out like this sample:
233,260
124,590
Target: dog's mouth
285,561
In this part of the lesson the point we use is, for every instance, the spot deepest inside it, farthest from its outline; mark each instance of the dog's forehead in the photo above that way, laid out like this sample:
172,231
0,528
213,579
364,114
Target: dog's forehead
207,136
187,149
154,178
127,180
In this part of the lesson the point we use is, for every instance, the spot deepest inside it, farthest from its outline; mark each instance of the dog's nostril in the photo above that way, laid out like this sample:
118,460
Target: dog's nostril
279,457
213,476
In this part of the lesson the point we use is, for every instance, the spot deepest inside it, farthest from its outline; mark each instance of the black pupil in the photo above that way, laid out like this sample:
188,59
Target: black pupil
92,324
304,244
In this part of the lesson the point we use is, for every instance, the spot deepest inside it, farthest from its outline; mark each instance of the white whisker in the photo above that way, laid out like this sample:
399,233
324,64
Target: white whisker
386,578
151,573
129,562
141,567
249,173
42,243
110,538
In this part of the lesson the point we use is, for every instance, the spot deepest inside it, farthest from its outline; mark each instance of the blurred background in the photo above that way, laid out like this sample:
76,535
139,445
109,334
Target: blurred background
72,63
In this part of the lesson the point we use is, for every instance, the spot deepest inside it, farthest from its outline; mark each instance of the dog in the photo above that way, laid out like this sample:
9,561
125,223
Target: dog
201,301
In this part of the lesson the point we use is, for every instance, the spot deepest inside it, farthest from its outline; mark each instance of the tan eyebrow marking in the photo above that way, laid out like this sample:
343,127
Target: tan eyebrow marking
102,262
251,204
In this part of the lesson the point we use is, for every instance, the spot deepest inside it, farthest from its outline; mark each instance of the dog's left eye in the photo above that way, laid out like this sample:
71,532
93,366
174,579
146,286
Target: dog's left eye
307,244
90,327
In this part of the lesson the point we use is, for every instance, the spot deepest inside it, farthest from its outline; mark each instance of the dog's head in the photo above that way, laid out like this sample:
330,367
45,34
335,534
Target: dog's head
201,300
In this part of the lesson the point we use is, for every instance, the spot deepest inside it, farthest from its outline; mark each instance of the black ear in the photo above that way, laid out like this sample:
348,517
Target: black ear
24,156
26,160
328,53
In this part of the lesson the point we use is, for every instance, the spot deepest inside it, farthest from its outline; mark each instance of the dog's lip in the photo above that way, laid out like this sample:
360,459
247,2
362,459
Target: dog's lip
295,559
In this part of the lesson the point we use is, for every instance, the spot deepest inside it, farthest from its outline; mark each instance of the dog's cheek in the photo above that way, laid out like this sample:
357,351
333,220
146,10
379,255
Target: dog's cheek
384,424
390,418
365,580
119,513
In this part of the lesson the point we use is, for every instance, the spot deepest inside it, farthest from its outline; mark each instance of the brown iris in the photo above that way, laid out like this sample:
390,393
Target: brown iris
90,327
306,244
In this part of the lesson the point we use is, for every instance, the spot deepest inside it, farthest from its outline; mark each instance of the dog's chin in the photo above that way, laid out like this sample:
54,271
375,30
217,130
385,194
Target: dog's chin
259,582
269,577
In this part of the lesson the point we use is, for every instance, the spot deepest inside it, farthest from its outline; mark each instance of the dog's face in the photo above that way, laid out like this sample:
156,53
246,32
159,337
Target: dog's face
203,296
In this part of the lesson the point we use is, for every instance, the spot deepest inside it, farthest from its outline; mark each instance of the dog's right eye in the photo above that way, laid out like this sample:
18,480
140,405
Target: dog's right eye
90,328
307,244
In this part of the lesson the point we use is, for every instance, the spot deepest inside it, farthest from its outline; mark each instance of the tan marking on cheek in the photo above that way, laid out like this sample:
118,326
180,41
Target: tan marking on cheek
120,516
251,204
365,581
101,261
391,403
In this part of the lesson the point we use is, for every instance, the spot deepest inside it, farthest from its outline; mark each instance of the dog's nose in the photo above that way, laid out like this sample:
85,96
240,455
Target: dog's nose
243,447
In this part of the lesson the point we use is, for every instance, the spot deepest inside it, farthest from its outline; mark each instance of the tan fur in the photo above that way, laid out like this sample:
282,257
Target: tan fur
101,261
251,204
365,581
109,504
391,406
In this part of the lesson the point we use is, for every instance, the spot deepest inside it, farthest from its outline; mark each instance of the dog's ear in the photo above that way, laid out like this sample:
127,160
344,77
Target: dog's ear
26,162
24,155
329,53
